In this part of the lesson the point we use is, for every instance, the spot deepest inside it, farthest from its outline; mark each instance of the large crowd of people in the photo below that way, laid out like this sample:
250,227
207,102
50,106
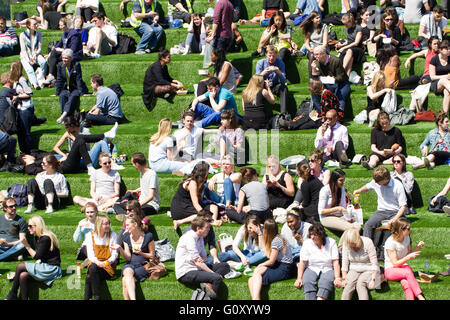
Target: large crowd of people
302,250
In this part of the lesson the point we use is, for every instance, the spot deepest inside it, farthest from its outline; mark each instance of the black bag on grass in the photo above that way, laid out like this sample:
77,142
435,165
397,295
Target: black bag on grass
125,44
380,236
11,119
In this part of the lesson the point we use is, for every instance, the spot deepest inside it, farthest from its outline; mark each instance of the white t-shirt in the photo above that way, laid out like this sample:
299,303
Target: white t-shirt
400,247
319,260
104,182
156,153
425,21
59,181
149,180
413,12
286,232
325,199
109,31
250,245
390,197
192,139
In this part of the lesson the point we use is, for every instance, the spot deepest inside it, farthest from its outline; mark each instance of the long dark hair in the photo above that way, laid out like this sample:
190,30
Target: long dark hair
381,115
308,25
197,29
336,193
221,58
199,174
272,21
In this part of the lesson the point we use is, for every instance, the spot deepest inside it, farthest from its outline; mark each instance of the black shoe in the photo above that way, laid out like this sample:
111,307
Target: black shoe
255,53
412,210
39,121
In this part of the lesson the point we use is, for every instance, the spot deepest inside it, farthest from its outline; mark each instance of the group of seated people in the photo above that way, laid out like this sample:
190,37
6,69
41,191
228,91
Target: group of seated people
320,199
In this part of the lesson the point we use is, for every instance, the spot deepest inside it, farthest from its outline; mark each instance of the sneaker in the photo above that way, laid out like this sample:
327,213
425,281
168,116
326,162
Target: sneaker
115,166
30,209
207,287
446,209
49,79
140,52
344,157
427,163
232,275
148,50
248,271
366,165
49,209
110,211
95,56
20,258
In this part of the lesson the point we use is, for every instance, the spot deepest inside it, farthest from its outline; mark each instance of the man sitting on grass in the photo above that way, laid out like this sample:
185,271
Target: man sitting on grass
220,99
13,229
102,37
391,200
107,110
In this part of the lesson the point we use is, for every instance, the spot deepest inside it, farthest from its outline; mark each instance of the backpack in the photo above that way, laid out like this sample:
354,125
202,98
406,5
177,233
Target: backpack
11,119
379,238
19,193
199,294
304,108
275,121
125,44
117,89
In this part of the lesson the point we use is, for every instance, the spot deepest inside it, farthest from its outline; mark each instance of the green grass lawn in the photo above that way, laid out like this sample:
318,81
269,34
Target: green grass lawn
129,70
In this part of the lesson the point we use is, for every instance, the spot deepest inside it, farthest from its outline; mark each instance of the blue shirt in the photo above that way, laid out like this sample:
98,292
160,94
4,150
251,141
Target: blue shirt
108,102
273,77
224,94
308,6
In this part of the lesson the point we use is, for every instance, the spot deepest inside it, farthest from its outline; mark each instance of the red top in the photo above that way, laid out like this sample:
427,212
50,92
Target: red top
430,54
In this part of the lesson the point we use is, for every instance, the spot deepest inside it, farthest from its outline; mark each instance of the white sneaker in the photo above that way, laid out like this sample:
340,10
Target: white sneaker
115,166
95,56
30,209
110,211
49,209
140,52
111,133
232,275
248,271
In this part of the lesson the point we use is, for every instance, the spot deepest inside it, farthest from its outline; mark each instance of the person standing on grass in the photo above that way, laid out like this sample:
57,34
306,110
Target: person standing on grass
190,257
102,256
221,33
392,201
47,267
397,252
13,229
107,110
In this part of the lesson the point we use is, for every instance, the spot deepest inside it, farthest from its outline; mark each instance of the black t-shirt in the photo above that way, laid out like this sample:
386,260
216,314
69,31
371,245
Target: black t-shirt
351,34
53,17
10,229
440,69
385,139
43,252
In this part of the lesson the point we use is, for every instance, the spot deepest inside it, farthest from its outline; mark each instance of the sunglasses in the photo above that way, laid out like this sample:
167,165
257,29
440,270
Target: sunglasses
311,160
388,19
105,163
30,225
129,209
12,206
330,119
210,220
397,161
406,228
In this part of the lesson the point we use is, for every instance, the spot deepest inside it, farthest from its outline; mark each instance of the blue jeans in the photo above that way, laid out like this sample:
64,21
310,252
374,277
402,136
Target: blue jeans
150,35
24,133
167,166
229,194
69,101
207,114
8,252
6,50
341,90
296,252
195,45
253,258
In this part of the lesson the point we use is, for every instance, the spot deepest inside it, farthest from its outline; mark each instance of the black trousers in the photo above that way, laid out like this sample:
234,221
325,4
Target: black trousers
40,200
79,151
241,217
85,13
52,62
94,277
200,276
336,154
281,91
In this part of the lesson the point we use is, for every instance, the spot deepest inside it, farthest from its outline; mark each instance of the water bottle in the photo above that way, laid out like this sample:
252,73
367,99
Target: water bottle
170,14
427,267
115,152
78,270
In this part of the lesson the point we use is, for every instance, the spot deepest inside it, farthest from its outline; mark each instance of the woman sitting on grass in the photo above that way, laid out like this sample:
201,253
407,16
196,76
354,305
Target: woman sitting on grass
255,98
397,253
400,173
279,265
48,187
427,54
138,248
187,201
310,189
295,231
279,35
360,270
257,197
279,183
318,270
436,146
439,70
376,92
196,37
316,34
84,227
47,267
386,141
102,256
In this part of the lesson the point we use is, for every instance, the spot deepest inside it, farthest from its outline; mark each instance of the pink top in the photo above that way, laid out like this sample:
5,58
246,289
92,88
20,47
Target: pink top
430,54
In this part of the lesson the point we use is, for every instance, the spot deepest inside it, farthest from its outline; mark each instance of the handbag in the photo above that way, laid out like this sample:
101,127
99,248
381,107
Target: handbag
389,104
225,241
155,269
425,116
164,250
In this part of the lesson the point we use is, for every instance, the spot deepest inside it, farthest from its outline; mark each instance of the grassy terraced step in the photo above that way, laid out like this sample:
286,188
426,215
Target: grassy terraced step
249,8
